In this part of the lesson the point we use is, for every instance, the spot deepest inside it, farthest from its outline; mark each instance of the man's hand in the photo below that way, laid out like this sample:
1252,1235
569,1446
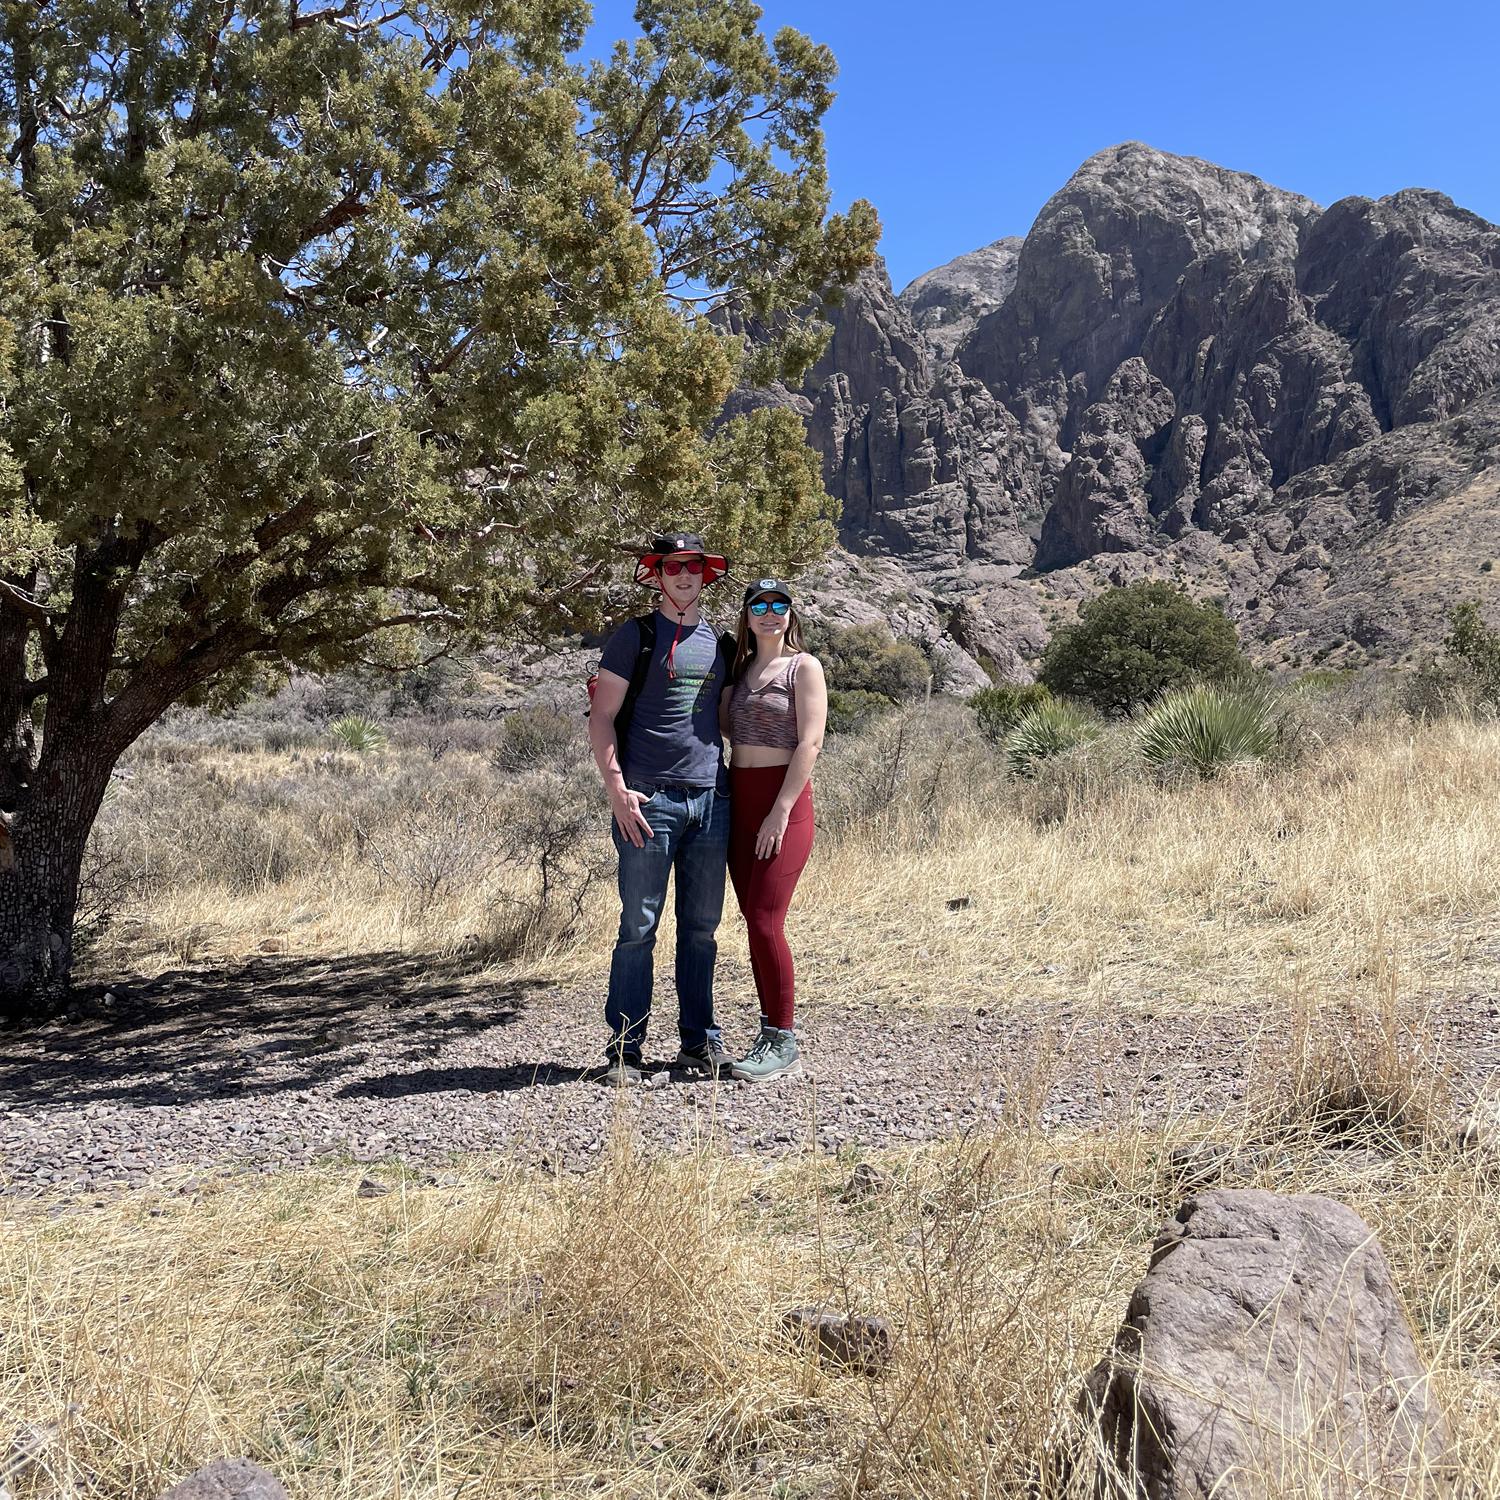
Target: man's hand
629,818
772,831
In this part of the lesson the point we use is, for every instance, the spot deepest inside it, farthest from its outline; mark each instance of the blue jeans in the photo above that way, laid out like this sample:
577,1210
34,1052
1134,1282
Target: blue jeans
691,828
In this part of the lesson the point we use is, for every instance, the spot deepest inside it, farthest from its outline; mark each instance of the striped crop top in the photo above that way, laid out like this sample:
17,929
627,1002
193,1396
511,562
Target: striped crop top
766,716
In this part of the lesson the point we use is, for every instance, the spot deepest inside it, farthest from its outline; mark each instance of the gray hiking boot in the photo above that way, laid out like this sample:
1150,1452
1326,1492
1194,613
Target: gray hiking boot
711,1058
624,1069
774,1055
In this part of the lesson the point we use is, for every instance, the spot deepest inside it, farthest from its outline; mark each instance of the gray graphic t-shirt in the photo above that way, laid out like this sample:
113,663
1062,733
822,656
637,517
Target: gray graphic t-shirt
674,730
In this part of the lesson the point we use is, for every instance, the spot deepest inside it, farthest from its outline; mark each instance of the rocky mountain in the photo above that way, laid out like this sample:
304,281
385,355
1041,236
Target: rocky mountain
1181,372
945,304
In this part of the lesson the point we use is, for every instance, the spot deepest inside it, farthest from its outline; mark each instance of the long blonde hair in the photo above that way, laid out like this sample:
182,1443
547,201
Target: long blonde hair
744,647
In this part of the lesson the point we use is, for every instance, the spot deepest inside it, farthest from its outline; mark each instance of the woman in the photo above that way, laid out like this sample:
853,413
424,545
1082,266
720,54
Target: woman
773,715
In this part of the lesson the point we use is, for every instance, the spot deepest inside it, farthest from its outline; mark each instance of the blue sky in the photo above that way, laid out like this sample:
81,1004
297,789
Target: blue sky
958,119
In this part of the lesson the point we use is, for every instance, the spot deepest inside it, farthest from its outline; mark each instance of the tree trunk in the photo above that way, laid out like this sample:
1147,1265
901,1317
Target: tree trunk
39,890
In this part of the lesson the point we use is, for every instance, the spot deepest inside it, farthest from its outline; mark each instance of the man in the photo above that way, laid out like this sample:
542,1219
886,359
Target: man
663,767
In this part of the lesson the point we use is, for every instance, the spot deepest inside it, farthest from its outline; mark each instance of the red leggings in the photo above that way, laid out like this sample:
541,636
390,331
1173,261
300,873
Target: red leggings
764,886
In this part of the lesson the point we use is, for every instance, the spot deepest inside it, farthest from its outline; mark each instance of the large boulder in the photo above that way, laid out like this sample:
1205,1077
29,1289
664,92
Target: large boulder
1266,1353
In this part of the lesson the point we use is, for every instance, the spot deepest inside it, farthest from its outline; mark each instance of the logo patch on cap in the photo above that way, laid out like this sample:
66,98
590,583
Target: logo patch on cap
767,583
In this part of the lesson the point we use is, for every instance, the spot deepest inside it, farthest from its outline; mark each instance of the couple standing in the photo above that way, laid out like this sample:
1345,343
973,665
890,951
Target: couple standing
678,690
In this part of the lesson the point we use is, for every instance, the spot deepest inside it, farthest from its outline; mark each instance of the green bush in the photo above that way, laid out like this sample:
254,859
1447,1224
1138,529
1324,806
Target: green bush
1133,644
1045,731
357,734
999,707
1465,677
1472,649
869,659
1207,728
851,709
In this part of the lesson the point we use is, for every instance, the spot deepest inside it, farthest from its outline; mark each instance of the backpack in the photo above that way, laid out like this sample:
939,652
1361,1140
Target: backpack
646,628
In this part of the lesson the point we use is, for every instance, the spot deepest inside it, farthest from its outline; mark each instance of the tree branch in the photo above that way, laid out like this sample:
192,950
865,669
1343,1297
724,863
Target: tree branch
23,603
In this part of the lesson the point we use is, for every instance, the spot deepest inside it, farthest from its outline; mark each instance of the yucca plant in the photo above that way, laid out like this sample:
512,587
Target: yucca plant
1208,728
1044,731
357,734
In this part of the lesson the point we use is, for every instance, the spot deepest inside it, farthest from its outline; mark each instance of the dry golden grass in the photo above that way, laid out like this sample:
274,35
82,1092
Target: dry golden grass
619,1334
1098,886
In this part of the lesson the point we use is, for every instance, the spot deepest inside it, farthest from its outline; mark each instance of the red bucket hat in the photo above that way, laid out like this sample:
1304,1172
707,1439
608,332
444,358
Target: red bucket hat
714,566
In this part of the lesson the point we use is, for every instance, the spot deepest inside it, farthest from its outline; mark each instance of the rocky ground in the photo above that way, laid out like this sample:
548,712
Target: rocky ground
286,1061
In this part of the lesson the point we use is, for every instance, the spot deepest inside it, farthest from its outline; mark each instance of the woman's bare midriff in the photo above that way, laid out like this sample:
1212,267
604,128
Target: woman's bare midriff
751,756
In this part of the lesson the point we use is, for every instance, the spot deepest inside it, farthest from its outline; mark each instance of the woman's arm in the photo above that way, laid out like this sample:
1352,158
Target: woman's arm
811,692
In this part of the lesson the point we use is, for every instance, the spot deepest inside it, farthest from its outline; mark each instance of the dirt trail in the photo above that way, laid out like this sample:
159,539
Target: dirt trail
282,1061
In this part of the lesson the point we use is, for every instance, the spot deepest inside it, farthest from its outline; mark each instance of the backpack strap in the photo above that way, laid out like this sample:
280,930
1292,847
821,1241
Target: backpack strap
730,647
646,644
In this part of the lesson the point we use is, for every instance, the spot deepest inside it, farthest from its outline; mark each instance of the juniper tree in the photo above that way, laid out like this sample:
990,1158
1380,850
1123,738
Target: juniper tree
331,328
1132,644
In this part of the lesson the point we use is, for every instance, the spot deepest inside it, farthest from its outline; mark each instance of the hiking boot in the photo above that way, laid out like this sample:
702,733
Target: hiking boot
623,1069
711,1058
774,1055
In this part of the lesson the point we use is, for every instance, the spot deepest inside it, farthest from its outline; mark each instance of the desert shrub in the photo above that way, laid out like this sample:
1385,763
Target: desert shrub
1206,729
532,737
436,844
851,709
435,687
1472,649
1091,774
867,658
1323,680
1000,706
549,839
1044,731
1132,644
357,734
1433,691
1358,1076
904,771
1464,677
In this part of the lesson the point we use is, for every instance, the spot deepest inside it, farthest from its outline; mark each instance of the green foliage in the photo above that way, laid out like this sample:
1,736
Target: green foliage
852,709
1046,730
361,735
1000,706
868,659
1132,644
1472,650
333,330
1207,728
357,734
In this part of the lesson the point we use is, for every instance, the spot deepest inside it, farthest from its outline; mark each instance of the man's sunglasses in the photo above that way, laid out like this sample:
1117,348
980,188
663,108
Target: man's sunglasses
778,606
672,566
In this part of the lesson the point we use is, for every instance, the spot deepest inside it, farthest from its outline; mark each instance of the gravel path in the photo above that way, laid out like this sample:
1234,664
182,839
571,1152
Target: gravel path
284,1061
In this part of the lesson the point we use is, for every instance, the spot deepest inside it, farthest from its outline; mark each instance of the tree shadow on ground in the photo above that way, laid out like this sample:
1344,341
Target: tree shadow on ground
505,1079
268,1025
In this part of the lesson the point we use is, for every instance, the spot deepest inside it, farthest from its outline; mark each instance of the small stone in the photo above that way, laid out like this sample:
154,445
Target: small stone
865,1181
1205,1163
857,1342
228,1479
370,1188
1477,1132
272,945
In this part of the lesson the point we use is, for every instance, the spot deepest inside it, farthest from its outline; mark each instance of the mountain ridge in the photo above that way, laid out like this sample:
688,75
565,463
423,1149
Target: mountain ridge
1181,371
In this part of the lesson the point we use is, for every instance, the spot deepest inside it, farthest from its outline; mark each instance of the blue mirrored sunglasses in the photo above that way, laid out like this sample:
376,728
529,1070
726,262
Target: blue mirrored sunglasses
779,606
